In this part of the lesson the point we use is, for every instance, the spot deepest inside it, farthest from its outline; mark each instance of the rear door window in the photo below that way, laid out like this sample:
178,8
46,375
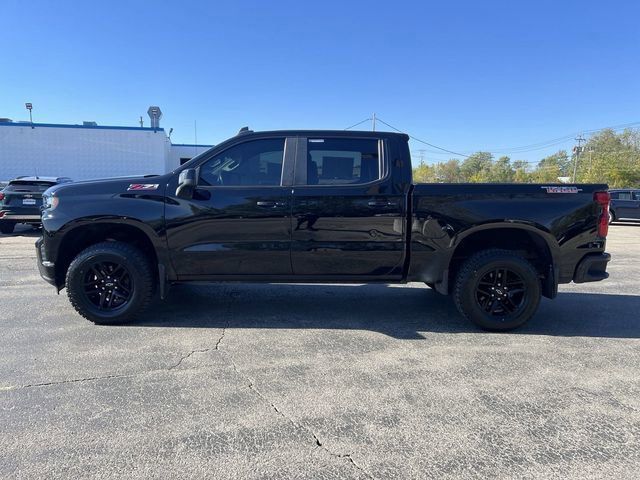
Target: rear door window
343,161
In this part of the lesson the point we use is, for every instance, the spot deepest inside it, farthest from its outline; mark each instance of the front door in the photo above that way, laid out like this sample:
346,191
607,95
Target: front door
239,220
347,219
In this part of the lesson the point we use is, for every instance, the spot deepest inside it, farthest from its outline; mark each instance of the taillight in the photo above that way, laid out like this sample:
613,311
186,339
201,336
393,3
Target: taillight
602,199
1,196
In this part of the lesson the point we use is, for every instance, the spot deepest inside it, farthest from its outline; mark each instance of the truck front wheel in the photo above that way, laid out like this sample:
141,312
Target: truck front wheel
110,282
497,290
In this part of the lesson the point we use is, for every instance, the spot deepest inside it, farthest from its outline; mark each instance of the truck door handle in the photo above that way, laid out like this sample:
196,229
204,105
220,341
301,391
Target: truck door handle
268,204
381,204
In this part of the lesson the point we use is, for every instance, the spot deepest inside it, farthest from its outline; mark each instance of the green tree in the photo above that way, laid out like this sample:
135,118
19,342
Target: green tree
520,173
611,158
501,171
449,172
476,167
552,167
424,174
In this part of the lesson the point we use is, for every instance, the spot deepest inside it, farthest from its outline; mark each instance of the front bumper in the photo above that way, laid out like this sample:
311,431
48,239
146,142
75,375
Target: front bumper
592,268
47,269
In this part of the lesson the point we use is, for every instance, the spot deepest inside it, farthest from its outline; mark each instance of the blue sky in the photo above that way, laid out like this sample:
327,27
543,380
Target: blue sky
465,75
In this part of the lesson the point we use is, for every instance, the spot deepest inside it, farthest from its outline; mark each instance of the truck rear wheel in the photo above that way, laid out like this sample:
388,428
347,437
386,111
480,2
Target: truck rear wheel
110,283
497,290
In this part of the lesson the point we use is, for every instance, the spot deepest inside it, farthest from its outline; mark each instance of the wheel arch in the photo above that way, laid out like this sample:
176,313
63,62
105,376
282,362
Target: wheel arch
83,234
535,245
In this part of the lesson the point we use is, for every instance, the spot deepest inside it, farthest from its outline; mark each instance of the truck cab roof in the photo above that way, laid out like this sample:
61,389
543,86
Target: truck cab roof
318,133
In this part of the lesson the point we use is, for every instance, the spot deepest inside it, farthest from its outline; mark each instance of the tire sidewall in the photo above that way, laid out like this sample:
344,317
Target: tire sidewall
75,286
493,322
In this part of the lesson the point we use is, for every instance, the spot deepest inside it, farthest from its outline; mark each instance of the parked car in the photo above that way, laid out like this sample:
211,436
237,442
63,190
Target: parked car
21,199
319,206
625,204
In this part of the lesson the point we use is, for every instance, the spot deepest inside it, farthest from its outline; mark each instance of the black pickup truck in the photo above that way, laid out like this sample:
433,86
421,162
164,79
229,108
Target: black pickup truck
319,206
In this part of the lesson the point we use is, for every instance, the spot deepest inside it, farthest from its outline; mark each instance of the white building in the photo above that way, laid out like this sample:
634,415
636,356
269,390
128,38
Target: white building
87,151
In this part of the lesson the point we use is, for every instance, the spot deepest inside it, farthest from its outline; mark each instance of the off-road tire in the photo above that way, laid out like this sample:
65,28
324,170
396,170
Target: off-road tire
475,269
140,271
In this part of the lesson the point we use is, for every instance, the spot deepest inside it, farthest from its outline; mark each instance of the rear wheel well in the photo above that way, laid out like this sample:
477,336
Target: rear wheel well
83,237
526,244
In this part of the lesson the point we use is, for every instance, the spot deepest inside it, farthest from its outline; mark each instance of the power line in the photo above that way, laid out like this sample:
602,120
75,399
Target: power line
422,141
513,150
359,123
556,141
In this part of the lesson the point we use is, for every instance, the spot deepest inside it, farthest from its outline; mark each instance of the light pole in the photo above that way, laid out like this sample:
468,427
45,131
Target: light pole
29,107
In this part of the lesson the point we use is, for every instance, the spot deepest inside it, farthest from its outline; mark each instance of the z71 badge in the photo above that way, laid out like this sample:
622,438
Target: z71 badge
143,186
557,189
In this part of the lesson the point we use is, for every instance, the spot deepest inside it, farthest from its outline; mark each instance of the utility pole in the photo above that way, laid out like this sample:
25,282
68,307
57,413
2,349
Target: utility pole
141,121
373,119
422,151
577,150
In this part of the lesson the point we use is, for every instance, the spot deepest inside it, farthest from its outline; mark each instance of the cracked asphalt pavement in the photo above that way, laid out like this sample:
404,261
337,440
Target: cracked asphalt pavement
319,381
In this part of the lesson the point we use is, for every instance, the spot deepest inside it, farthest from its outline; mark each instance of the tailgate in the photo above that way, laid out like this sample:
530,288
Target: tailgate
23,194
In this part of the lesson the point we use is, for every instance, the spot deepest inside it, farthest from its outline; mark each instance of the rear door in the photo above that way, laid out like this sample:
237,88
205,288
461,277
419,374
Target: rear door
238,222
347,220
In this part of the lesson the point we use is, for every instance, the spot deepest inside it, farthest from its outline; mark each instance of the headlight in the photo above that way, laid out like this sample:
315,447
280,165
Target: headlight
49,202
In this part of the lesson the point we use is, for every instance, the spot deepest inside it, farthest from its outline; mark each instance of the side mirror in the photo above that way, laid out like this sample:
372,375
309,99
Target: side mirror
187,182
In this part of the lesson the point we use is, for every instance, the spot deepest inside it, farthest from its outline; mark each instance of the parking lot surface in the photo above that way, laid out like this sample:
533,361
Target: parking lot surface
319,381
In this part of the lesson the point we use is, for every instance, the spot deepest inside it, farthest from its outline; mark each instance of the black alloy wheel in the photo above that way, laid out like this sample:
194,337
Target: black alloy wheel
108,286
110,282
501,292
497,289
